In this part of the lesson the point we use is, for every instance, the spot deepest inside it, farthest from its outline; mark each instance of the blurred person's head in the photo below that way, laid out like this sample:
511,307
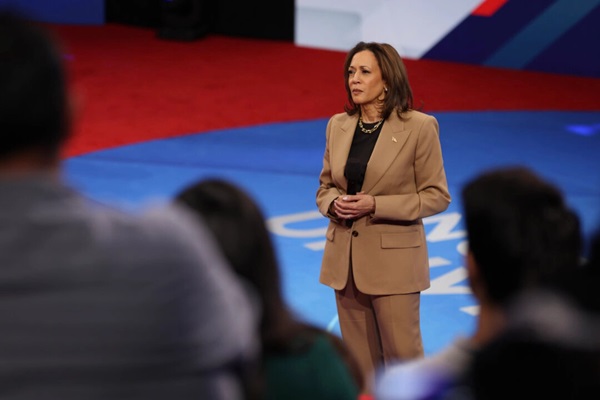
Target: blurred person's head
582,286
34,116
239,226
520,231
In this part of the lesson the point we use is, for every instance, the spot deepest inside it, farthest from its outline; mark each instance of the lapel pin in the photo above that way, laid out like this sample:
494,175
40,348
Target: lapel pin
394,139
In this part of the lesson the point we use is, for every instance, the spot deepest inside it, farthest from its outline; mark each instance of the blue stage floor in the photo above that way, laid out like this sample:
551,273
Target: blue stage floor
279,164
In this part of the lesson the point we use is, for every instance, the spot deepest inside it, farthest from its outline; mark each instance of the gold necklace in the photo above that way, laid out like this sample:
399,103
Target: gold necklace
368,131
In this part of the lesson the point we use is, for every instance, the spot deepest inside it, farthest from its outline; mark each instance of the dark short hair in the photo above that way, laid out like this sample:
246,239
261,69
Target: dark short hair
521,232
582,286
33,101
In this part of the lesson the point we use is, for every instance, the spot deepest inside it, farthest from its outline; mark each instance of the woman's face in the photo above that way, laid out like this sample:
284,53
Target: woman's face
364,78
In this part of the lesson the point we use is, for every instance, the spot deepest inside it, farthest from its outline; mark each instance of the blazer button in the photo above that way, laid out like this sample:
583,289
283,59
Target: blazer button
354,233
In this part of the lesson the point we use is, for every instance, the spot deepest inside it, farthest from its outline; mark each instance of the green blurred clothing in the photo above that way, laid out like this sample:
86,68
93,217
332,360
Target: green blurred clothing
319,372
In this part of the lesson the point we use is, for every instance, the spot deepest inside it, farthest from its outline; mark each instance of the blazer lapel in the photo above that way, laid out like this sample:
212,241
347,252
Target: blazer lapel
340,147
391,139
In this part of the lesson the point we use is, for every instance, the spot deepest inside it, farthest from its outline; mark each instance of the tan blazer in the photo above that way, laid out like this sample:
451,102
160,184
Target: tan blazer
406,175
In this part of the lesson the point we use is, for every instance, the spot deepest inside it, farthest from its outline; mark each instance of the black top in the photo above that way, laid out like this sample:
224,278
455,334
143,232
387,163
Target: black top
358,157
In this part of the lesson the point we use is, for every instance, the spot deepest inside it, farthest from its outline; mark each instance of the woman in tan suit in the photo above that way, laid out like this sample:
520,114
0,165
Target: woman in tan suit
383,172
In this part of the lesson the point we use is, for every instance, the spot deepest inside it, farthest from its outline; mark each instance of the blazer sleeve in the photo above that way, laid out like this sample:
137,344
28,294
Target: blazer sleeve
431,195
327,191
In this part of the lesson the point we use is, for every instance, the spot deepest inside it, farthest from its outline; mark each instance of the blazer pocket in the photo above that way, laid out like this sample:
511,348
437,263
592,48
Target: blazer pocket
400,240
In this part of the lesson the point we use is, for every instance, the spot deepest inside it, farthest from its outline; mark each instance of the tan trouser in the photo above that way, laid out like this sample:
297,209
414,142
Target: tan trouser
379,329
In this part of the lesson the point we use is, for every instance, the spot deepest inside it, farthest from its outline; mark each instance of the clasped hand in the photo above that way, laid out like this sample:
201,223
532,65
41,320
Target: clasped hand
353,206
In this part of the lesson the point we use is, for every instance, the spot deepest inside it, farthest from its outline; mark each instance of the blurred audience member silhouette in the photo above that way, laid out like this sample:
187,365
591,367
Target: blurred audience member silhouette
98,303
550,348
521,236
300,361
582,287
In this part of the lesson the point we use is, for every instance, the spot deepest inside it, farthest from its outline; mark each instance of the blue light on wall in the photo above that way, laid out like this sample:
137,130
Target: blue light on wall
61,11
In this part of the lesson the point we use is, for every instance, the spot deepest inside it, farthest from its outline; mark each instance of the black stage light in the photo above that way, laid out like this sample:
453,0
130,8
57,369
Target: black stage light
185,20
144,13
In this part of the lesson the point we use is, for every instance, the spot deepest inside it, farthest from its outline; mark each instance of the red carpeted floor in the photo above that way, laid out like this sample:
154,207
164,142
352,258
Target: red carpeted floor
135,87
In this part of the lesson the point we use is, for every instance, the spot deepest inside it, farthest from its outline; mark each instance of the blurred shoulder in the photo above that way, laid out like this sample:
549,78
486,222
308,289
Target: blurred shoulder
155,235
156,222
429,375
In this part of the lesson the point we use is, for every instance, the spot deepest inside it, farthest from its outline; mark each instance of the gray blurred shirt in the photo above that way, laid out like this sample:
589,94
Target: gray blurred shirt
97,303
